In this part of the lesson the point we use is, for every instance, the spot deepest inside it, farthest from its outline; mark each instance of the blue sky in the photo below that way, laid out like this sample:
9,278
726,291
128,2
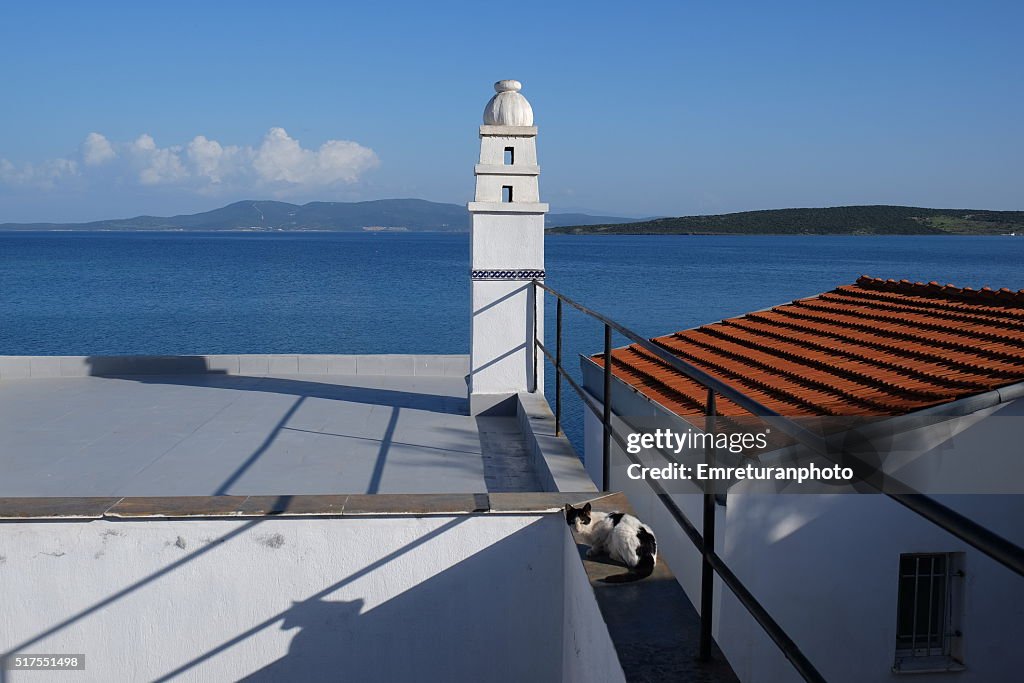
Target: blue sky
116,109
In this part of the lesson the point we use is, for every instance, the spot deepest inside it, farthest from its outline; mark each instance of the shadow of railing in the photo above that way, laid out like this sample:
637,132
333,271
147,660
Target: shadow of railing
457,625
195,371
282,502
301,610
317,635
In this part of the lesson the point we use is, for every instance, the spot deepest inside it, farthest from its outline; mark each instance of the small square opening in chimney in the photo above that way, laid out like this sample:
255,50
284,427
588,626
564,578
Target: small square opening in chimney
506,194
510,156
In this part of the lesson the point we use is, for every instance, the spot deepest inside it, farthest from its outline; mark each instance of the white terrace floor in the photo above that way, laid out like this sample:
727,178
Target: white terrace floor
212,434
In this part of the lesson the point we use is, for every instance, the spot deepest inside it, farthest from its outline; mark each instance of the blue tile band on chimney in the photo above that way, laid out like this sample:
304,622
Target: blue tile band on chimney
507,274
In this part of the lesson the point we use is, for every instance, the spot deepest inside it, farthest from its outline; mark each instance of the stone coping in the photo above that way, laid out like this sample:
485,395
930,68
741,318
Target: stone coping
508,207
255,365
508,131
356,505
554,459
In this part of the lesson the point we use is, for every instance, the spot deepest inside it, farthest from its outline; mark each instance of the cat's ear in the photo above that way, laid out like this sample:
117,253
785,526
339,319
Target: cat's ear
586,508
568,509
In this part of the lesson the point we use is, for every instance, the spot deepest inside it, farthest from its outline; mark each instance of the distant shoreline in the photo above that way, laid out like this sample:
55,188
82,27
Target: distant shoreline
406,216
222,231
548,232
380,215
838,220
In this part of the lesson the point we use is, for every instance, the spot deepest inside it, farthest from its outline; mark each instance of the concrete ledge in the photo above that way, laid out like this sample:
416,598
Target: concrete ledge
29,367
507,207
554,459
508,131
498,169
213,507
492,405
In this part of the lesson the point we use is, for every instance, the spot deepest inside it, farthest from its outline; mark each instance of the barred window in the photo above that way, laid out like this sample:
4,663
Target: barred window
927,619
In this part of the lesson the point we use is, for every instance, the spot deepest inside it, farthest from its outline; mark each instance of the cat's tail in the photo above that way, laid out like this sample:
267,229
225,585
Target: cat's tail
647,556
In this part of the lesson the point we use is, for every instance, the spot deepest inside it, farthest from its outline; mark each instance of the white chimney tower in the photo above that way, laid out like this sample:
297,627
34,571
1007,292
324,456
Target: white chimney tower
507,252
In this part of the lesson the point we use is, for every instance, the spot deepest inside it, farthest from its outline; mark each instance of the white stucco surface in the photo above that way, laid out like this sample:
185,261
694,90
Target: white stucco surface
825,566
507,251
524,187
501,332
213,434
518,169
588,654
506,241
492,149
462,598
977,453
819,559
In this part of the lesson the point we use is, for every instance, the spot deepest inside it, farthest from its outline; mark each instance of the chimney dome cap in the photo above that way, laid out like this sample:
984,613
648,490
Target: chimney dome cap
508,107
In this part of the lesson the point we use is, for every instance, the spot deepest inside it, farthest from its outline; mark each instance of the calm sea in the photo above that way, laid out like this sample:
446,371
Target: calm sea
193,293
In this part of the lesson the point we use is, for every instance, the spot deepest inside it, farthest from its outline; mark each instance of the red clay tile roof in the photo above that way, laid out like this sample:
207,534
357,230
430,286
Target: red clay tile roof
877,347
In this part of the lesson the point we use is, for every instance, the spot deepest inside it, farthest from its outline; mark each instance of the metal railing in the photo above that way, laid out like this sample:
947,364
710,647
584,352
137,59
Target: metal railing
991,544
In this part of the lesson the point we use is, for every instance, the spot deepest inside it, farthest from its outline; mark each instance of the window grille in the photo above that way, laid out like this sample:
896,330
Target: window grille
927,635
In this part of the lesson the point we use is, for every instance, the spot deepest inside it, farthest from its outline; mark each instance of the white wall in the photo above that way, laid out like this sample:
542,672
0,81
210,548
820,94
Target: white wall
505,237
592,446
462,598
524,188
492,149
502,333
507,241
825,567
966,454
588,655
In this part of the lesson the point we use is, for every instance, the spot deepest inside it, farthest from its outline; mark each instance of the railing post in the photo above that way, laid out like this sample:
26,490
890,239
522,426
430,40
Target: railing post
558,367
707,574
533,331
606,419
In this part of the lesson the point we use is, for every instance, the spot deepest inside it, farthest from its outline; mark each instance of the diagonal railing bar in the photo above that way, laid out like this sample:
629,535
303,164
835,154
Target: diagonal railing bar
789,648
983,539
792,429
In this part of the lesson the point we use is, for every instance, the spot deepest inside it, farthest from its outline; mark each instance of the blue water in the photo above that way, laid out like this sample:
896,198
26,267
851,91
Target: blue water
175,293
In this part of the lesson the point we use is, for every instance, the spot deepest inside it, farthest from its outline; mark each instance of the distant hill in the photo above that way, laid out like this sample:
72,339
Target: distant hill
414,215
839,220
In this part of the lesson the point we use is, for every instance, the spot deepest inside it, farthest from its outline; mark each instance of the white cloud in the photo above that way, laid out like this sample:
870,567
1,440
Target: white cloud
144,144
43,175
279,165
209,158
159,166
281,159
97,150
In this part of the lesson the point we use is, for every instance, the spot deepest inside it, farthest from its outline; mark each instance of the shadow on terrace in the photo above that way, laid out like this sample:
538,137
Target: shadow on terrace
197,431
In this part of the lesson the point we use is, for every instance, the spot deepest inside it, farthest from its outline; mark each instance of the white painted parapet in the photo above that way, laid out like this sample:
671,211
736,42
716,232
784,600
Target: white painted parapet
253,365
301,597
507,252
291,599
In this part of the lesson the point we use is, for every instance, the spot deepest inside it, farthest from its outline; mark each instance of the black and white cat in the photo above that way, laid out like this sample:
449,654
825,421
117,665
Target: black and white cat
621,536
